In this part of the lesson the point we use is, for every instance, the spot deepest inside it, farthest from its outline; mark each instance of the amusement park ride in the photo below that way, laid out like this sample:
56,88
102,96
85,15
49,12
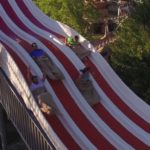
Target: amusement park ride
118,119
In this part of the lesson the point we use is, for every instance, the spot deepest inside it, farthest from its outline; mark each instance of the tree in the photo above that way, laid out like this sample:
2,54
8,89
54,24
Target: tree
131,58
141,14
76,14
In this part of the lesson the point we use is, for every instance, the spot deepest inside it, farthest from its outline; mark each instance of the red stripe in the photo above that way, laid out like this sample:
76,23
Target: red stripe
62,93
117,100
118,128
101,81
28,13
53,120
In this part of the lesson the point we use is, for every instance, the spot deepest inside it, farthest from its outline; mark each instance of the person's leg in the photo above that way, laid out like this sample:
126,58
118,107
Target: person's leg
52,70
46,66
47,104
89,93
85,55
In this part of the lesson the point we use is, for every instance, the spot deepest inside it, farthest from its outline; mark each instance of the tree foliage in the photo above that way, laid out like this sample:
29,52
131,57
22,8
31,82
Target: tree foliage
75,13
131,58
141,14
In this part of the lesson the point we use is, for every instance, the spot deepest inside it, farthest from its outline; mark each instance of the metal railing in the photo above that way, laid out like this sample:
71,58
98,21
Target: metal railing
25,123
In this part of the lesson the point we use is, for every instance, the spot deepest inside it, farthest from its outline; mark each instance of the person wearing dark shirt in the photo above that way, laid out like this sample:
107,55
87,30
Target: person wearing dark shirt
45,63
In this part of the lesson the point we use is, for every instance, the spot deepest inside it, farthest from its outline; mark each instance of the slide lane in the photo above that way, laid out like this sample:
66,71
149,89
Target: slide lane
101,81
52,120
68,103
135,142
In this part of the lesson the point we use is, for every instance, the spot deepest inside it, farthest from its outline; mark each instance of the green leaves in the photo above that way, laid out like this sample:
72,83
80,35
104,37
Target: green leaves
74,13
131,58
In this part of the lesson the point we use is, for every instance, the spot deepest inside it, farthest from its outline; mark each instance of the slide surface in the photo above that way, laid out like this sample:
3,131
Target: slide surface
120,120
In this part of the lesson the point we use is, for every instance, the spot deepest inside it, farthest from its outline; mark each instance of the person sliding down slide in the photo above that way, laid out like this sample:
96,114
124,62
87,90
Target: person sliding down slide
86,87
41,95
45,63
75,45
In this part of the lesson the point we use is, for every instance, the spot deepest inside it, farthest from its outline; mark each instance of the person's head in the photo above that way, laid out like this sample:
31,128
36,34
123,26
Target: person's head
76,38
44,107
84,70
41,102
34,79
34,45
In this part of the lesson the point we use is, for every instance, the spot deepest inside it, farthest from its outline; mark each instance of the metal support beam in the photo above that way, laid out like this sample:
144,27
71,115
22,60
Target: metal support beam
2,129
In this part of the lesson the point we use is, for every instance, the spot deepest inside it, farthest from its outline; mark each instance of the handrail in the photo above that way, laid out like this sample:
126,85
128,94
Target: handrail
25,123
